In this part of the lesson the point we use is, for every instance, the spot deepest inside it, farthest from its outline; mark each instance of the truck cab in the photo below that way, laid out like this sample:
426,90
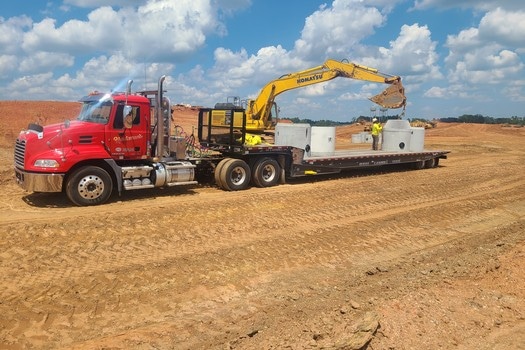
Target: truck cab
44,154
127,124
119,140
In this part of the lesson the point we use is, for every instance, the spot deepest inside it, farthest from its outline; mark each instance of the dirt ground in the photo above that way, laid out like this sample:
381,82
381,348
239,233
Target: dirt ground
384,259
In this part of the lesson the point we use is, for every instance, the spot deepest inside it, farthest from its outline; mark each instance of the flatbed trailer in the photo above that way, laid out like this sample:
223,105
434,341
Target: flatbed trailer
264,165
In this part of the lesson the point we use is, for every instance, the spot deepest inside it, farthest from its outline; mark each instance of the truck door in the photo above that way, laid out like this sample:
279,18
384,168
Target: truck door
127,137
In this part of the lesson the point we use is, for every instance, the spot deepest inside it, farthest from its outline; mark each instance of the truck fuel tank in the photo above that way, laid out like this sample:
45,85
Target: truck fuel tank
174,173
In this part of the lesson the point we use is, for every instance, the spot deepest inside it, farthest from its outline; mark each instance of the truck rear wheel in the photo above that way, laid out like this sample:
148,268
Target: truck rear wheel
89,185
218,168
266,172
235,175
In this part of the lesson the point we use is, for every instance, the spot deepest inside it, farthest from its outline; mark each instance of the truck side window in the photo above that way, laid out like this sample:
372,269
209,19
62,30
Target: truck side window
119,118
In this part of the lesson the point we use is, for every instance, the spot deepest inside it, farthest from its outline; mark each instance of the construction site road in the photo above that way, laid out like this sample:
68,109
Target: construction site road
379,259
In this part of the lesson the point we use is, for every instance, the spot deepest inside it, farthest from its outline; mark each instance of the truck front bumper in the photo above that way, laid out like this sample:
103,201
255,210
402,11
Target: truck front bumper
38,182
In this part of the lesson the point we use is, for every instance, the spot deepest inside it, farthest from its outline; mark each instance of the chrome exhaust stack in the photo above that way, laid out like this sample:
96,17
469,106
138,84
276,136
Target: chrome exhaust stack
128,87
160,119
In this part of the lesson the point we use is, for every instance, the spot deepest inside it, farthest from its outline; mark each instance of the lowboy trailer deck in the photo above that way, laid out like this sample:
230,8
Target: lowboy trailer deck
296,154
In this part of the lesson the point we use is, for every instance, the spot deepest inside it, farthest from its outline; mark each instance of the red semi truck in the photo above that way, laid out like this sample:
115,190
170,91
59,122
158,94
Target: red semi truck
124,141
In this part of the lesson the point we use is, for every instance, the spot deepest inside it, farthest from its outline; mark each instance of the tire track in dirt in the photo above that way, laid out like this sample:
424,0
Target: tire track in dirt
203,262
196,242
198,316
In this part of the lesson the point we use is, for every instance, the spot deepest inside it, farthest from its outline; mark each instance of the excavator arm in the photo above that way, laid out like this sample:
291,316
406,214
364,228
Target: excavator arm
258,110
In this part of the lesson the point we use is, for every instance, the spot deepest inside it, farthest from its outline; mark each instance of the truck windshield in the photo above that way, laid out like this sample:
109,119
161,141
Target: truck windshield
95,111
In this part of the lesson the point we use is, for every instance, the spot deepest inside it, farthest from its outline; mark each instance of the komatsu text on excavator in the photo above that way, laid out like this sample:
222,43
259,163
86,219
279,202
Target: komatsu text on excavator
259,116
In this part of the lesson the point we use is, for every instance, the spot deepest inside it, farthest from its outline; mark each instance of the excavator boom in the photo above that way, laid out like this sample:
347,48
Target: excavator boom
258,111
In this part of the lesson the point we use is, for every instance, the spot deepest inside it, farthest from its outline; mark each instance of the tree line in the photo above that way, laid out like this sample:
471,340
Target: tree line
480,119
465,118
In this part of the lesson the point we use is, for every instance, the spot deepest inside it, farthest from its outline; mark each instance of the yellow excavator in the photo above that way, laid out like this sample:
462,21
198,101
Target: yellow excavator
259,111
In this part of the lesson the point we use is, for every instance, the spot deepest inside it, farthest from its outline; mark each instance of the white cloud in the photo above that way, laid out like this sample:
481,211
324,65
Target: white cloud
234,70
437,92
483,55
483,5
504,27
333,31
114,71
98,3
44,61
30,85
8,63
12,33
230,6
314,90
175,28
102,31
516,91
157,30
412,55
483,67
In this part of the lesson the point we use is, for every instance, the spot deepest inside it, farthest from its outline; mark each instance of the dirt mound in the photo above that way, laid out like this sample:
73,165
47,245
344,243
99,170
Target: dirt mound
16,115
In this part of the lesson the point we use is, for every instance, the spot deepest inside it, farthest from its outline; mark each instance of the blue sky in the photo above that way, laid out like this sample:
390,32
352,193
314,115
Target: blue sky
455,57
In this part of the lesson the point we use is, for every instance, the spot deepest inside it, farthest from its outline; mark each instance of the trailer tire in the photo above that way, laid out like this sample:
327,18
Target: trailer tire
217,173
89,185
235,175
419,165
266,172
430,163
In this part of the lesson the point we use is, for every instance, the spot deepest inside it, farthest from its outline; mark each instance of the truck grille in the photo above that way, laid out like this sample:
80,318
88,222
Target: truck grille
20,152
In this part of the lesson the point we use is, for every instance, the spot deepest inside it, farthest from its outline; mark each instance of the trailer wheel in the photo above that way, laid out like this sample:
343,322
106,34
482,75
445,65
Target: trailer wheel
419,165
430,163
217,173
235,175
89,185
266,172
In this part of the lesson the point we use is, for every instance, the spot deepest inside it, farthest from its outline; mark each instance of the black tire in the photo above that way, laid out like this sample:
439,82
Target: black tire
217,172
235,175
419,165
266,172
430,163
89,185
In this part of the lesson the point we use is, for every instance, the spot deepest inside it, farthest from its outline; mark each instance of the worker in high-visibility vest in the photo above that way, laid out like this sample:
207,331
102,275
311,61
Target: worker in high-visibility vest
377,129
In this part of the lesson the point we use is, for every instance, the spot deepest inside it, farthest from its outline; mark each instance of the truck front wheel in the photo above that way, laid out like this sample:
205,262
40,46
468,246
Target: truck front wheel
89,185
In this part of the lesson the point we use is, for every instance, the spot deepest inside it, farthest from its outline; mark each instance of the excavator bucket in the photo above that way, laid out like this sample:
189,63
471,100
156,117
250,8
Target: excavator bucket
392,97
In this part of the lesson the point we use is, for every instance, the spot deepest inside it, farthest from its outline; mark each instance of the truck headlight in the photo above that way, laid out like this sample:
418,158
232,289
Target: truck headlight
46,163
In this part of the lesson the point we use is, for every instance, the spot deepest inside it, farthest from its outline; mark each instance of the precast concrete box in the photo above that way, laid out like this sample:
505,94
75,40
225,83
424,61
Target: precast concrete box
323,140
296,135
